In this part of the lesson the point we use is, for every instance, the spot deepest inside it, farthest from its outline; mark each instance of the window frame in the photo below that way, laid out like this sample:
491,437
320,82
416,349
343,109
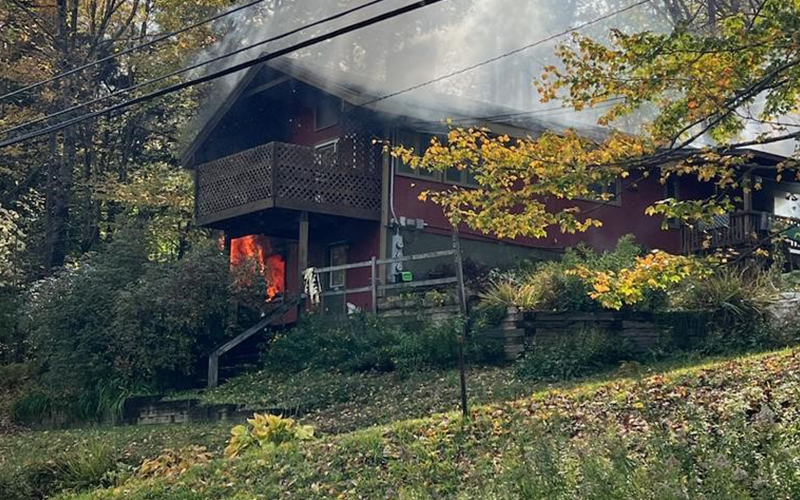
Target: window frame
439,177
615,202
336,103
334,284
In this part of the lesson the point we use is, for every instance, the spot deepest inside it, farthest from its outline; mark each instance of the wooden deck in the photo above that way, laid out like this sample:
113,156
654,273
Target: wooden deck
738,230
287,176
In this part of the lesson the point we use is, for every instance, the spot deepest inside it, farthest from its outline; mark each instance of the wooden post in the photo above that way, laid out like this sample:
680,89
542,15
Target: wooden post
302,253
374,283
213,370
462,299
747,192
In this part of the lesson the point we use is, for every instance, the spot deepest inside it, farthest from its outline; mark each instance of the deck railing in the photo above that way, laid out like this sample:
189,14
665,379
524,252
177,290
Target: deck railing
287,176
737,230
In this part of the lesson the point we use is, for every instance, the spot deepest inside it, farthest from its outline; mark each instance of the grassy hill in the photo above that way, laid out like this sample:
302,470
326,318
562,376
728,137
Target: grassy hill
723,430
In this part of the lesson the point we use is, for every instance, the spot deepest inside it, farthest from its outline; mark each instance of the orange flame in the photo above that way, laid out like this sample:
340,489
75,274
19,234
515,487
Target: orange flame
256,247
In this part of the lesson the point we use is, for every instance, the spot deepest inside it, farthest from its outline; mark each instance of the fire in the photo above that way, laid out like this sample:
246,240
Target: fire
257,248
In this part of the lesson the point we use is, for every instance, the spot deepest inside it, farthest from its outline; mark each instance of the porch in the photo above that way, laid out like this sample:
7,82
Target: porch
739,230
288,176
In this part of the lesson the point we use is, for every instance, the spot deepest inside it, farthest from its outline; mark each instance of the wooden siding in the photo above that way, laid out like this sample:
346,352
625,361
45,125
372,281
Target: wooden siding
286,176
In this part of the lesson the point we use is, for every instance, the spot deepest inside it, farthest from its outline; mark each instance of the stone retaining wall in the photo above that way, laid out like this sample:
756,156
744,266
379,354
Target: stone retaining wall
642,331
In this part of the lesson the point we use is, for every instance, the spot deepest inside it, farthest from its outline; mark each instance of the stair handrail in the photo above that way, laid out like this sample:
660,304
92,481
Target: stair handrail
263,322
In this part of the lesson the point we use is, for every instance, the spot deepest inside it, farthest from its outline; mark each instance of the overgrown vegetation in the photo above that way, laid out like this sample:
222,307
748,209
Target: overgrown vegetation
556,286
727,430
582,353
37,465
364,342
116,323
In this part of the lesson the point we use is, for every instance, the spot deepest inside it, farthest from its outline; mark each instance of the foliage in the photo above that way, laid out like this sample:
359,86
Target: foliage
704,92
657,271
737,300
80,180
264,432
576,355
116,323
366,342
172,463
13,345
723,430
571,283
37,465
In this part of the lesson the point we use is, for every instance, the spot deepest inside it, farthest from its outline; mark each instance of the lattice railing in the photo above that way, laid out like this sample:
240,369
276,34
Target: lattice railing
290,175
234,181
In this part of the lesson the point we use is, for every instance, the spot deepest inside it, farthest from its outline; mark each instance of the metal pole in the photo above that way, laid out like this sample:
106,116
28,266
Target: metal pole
462,298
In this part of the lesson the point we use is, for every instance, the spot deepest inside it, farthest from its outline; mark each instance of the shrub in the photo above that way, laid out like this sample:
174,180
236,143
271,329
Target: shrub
737,302
552,286
585,352
265,431
13,345
115,323
365,342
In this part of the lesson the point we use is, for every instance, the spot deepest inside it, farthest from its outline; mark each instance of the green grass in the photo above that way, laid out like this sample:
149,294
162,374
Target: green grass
38,464
338,402
721,430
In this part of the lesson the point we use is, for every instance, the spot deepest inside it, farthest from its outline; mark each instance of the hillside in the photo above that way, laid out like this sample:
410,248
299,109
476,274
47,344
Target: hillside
724,430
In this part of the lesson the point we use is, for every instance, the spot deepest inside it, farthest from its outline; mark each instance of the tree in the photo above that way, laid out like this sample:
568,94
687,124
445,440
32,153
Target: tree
705,90
51,184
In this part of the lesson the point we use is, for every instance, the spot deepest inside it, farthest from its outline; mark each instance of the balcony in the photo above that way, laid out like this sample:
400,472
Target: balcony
739,230
279,175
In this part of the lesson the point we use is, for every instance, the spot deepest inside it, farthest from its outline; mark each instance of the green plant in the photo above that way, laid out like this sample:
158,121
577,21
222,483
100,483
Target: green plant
116,324
737,302
557,286
582,353
265,431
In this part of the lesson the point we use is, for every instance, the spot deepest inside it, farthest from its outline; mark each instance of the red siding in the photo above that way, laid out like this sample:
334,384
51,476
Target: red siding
627,218
301,127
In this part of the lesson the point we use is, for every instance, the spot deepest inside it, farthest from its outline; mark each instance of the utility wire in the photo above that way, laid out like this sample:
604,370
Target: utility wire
507,54
227,71
154,41
181,71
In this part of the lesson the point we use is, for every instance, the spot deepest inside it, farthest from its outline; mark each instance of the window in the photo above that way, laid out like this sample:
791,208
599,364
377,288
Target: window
672,190
337,256
327,147
610,193
326,113
419,142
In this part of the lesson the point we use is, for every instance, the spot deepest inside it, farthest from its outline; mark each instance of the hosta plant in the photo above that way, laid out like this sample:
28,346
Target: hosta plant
265,431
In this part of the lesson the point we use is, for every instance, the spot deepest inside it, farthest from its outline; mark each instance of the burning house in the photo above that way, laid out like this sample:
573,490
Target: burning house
290,167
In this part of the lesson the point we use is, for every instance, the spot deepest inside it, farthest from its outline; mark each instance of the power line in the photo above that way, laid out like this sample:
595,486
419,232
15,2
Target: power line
507,54
181,71
233,69
154,41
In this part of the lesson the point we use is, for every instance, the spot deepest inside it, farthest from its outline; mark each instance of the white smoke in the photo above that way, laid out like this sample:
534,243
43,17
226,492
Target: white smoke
430,43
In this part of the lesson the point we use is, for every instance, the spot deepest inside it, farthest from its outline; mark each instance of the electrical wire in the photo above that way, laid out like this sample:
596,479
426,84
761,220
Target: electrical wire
507,54
187,69
154,41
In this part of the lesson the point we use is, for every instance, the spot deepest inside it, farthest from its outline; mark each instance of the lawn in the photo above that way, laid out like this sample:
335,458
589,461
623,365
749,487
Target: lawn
727,429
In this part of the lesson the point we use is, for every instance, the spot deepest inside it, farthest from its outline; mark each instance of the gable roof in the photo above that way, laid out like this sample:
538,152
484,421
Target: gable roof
428,110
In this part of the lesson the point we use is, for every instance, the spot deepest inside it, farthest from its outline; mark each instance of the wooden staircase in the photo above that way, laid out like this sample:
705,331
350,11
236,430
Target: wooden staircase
269,317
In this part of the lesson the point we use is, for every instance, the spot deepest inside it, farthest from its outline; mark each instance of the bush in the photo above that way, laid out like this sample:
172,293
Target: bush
737,301
13,347
586,352
115,324
364,342
265,431
553,286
